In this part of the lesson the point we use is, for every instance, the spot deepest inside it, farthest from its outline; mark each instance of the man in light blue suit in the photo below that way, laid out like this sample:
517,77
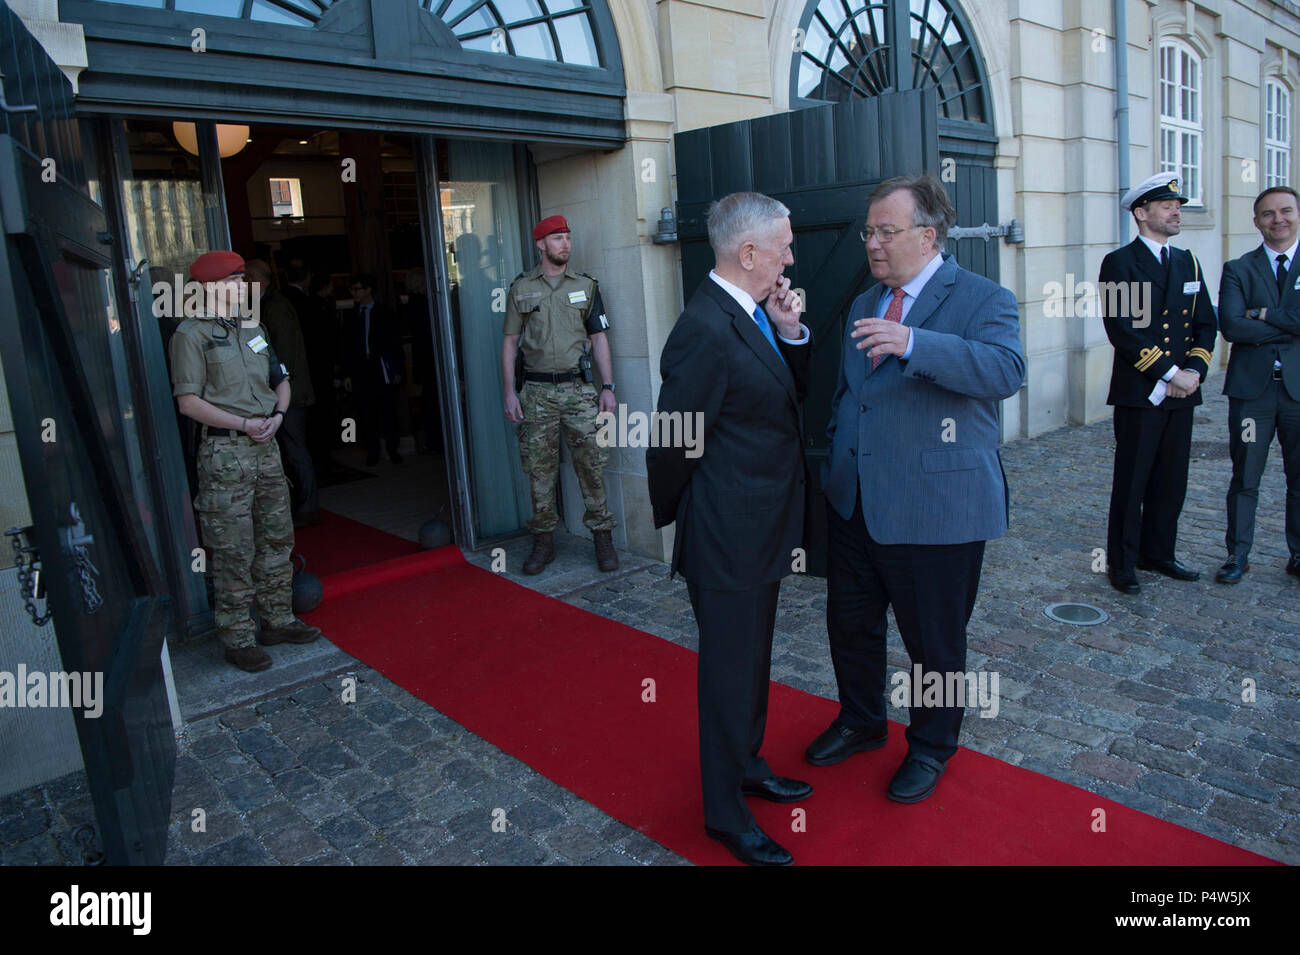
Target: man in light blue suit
915,485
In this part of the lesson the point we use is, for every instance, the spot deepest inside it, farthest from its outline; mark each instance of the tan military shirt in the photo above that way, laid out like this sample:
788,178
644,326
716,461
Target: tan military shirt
554,324
235,369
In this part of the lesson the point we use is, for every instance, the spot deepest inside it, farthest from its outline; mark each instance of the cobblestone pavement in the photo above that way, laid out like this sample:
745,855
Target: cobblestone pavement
1146,708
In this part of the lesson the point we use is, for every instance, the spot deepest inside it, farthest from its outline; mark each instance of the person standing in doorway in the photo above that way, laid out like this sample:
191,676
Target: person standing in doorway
226,376
371,355
555,317
285,333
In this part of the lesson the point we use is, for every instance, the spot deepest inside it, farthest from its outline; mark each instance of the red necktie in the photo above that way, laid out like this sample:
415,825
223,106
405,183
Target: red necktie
893,314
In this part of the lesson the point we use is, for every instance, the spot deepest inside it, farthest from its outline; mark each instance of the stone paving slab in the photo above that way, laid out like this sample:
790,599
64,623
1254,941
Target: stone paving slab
1146,709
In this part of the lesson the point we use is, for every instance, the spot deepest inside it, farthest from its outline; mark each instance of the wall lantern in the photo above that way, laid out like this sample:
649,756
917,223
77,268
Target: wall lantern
230,139
667,229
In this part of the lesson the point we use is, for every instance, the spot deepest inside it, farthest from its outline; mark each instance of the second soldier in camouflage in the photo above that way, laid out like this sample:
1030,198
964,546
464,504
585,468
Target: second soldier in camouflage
553,316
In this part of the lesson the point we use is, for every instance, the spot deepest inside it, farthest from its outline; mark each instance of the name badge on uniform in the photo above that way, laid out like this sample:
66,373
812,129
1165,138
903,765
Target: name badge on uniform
258,345
578,298
1191,288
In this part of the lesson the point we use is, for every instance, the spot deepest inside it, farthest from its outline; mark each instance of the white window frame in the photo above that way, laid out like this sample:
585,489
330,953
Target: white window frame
295,196
1180,83
1277,133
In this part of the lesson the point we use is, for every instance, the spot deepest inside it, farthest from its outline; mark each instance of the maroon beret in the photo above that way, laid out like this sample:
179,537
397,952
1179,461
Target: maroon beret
216,265
548,225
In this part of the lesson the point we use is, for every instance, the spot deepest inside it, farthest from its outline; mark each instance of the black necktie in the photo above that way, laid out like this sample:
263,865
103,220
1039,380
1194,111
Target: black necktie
1164,256
1281,274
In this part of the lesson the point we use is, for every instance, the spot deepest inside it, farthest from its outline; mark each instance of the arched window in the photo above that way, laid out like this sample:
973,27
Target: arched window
1181,120
556,30
1277,134
850,48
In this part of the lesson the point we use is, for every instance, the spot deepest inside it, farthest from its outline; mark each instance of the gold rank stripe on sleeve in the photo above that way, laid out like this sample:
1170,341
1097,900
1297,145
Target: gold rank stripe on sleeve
1147,357
1201,353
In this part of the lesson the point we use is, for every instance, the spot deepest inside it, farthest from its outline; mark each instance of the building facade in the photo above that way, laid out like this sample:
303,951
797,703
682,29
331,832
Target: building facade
524,108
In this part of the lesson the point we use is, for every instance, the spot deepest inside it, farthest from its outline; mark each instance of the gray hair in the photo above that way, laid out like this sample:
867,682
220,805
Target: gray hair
933,208
741,216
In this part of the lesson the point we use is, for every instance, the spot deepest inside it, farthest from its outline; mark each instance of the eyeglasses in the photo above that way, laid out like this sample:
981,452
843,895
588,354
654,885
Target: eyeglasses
885,236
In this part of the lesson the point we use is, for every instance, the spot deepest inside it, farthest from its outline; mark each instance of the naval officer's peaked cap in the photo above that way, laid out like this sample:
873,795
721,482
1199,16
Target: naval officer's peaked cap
1160,186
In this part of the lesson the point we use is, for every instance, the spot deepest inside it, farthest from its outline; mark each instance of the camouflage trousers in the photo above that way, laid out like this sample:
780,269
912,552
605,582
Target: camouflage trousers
549,409
247,525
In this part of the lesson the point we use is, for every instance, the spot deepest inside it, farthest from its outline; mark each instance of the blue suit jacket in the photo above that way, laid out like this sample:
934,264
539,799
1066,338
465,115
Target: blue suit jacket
920,437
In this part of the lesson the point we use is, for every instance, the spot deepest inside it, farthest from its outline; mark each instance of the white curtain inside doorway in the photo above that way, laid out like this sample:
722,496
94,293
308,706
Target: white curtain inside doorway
480,211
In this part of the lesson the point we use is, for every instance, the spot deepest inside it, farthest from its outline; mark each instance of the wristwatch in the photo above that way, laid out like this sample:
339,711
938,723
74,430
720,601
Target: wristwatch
607,386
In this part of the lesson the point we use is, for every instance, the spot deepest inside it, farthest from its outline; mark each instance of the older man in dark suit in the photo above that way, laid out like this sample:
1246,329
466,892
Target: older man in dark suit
915,485
1259,312
739,505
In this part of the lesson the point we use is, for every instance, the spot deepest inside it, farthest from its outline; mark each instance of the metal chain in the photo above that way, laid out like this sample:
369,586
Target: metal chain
26,564
89,592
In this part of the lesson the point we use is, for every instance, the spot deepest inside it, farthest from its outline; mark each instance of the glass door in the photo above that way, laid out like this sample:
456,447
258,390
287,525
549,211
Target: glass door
167,204
479,192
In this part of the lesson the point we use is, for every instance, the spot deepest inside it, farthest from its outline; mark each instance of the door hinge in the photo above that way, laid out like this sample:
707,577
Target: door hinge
1013,233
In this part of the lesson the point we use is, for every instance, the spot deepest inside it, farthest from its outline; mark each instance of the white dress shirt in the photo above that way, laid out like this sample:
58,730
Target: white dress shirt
746,301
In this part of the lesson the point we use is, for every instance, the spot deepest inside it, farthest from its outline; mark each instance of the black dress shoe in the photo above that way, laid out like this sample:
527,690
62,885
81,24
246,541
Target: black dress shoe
1231,571
915,779
1170,568
754,847
778,789
1125,581
1293,565
837,743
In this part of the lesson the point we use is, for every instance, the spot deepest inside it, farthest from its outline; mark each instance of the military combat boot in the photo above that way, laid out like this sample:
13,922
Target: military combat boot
296,631
248,659
543,553
606,558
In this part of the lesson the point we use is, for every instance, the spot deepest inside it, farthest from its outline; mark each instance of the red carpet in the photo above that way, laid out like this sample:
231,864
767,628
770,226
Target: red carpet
337,544
561,689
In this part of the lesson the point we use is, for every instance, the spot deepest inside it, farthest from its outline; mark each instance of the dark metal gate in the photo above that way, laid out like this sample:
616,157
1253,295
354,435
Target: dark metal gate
73,417
822,163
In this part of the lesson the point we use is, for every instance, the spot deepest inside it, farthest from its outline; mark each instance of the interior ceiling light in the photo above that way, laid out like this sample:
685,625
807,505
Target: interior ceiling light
230,139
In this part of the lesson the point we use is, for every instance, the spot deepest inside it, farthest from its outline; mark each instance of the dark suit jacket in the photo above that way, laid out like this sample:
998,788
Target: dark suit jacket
320,334
739,506
1248,283
385,345
1176,328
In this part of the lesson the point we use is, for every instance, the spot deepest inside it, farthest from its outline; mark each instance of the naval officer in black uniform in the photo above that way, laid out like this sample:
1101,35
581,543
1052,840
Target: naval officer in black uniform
1159,317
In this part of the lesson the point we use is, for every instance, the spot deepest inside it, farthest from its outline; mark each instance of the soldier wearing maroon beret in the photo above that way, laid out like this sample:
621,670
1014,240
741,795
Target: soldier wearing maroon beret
226,376
556,321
